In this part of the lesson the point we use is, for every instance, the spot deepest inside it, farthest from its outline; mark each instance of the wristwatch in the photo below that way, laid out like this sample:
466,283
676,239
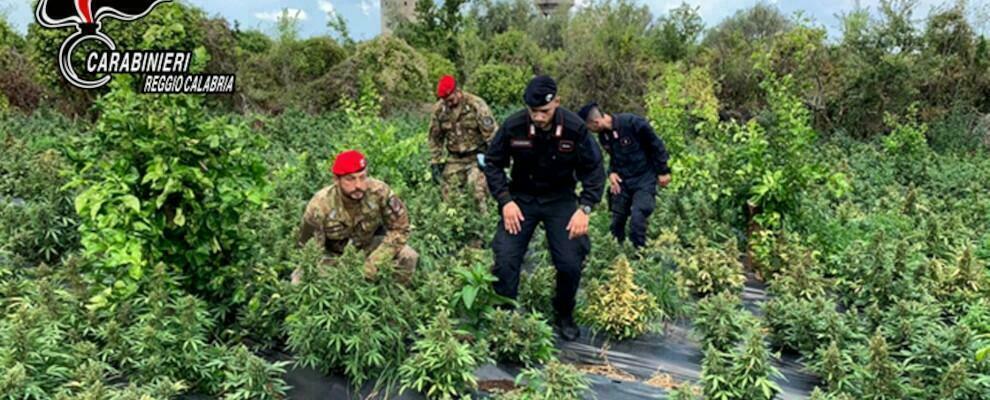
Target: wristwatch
586,209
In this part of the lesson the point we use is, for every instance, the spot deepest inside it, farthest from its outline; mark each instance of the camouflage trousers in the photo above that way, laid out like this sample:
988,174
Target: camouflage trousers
405,262
463,174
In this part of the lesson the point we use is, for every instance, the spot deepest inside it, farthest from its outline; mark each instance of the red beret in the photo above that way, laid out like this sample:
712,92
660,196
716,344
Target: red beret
349,162
446,86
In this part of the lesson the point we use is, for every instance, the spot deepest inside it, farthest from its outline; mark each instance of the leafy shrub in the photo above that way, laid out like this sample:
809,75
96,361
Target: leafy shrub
474,295
501,85
752,371
441,364
618,307
398,72
556,380
729,48
907,147
681,102
804,324
37,221
171,187
519,338
608,55
721,321
537,288
705,270
340,322
437,66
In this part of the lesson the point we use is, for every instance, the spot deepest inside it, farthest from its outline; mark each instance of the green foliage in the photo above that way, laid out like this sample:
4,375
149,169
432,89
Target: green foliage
441,364
537,288
341,322
37,221
437,66
721,321
608,55
475,295
501,85
704,269
617,306
681,102
434,27
907,147
728,50
835,367
556,380
396,70
171,187
276,75
519,338
752,371
716,378
247,376
741,373
53,347
804,324
678,32
881,376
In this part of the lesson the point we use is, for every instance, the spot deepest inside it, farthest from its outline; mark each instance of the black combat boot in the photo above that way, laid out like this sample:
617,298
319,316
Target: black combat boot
567,329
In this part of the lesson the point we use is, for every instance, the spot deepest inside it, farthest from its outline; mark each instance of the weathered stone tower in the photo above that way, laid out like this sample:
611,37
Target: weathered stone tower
396,11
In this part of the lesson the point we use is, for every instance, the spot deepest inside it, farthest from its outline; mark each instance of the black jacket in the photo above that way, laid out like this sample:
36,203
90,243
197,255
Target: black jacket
634,148
545,165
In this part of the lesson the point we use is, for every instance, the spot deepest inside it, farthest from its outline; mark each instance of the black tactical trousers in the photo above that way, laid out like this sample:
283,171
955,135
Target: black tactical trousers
636,200
567,254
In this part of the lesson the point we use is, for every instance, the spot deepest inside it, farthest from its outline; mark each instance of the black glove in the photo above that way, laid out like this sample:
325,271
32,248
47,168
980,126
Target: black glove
436,171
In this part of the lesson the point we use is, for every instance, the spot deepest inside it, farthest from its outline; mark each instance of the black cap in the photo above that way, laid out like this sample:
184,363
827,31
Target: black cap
540,91
584,111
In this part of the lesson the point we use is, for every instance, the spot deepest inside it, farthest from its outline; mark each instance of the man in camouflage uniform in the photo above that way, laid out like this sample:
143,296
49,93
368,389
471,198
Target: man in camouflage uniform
362,211
460,129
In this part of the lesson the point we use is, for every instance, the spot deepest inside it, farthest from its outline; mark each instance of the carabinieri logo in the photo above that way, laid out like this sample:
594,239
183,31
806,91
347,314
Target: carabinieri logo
166,71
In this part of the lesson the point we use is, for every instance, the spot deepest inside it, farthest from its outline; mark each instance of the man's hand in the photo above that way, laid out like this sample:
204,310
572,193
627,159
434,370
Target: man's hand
512,217
578,226
436,172
613,181
663,180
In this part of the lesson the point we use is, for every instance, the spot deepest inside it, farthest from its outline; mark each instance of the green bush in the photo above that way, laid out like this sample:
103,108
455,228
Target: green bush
617,306
501,85
556,380
721,321
704,269
398,72
519,338
341,322
171,187
441,364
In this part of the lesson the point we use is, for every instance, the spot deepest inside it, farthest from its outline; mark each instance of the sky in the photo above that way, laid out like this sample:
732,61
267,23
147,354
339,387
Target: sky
363,16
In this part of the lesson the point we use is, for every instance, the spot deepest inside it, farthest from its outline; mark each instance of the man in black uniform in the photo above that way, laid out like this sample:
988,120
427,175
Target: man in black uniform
550,149
637,164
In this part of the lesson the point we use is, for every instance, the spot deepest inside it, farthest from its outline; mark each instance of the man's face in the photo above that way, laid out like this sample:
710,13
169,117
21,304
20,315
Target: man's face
353,185
453,99
596,122
543,115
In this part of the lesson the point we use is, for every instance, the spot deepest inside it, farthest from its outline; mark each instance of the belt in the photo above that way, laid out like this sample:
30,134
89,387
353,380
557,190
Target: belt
464,154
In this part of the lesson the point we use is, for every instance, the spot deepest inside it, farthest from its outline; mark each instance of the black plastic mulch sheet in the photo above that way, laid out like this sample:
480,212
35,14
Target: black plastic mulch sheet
676,353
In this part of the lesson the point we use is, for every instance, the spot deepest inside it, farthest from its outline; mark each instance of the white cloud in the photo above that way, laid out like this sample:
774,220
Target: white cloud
326,7
368,5
273,16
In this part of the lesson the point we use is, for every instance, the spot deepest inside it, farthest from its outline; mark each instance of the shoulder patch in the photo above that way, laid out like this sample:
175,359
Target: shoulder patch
488,122
395,204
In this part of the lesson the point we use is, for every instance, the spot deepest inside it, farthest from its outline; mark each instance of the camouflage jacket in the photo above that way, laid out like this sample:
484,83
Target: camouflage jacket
465,129
335,221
